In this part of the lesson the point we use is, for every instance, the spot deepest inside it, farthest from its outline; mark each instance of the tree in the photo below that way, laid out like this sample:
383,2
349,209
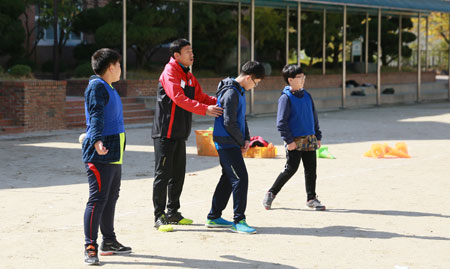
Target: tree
33,33
439,27
270,32
67,11
11,29
149,25
214,36
389,38
312,41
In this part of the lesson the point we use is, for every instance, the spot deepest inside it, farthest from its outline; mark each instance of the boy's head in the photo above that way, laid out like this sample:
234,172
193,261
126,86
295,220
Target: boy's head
106,62
181,50
294,76
252,72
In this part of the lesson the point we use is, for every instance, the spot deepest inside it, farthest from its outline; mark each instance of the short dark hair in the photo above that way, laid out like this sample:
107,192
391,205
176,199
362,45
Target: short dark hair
291,71
102,59
254,69
177,45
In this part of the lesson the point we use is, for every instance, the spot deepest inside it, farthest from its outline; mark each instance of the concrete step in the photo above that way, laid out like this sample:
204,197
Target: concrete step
126,114
126,107
141,119
11,129
76,124
6,122
79,101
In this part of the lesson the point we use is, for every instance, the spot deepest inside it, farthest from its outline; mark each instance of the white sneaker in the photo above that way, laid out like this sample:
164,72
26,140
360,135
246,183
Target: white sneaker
315,205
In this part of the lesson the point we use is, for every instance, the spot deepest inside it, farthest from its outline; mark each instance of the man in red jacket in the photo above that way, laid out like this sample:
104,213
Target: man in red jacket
178,96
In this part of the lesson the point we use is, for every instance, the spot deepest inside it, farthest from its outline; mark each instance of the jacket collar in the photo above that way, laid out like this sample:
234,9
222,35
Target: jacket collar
177,66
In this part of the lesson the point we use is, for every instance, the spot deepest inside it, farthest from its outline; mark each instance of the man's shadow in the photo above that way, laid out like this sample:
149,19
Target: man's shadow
234,262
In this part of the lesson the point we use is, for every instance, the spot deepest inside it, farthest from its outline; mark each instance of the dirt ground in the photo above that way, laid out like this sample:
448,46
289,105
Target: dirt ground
382,213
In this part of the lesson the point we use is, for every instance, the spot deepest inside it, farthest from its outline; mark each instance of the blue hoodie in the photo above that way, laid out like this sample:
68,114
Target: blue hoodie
230,129
285,114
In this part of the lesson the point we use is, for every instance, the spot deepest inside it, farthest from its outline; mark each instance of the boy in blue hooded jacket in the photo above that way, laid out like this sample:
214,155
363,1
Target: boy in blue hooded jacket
298,125
232,138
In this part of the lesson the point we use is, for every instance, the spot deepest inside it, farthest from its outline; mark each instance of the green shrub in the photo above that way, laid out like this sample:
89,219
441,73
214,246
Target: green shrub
83,70
22,61
1,69
20,70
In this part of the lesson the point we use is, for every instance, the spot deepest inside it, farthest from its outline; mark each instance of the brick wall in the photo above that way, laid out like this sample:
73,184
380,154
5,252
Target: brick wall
35,105
76,87
209,85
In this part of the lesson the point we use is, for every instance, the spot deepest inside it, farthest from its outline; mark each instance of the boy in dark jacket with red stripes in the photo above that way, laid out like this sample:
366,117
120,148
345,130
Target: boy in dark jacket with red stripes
178,96
102,151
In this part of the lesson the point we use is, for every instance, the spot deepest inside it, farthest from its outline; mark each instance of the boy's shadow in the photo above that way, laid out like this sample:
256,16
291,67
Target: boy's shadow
235,262
374,212
341,231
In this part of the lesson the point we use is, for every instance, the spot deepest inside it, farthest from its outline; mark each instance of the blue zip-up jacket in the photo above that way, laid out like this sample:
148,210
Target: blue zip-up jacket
104,121
284,115
230,129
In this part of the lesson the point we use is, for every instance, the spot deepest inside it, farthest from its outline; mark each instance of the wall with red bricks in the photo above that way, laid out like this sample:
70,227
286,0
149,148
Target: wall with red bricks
76,87
35,105
209,85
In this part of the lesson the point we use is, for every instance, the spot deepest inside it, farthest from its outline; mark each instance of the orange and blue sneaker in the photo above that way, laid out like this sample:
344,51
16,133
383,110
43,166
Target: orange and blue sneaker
91,255
242,227
218,223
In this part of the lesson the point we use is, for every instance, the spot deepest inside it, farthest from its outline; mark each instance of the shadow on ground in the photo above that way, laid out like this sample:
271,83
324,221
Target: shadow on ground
234,262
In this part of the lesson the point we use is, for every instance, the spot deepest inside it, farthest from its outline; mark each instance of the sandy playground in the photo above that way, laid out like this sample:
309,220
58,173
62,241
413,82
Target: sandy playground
382,213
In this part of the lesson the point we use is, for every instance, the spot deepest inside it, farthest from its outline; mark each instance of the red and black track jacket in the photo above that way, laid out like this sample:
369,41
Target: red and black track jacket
178,96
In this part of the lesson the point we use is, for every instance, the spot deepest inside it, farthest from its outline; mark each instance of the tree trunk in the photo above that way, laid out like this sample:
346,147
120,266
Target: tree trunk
55,41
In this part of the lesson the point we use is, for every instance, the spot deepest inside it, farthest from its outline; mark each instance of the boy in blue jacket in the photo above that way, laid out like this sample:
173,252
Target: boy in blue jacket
232,138
102,151
299,127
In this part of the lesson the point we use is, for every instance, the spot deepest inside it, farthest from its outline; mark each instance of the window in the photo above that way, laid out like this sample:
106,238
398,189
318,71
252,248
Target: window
47,39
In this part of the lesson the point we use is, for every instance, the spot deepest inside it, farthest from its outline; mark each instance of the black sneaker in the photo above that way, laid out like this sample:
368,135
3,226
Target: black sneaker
90,255
113,247
162,225
177,218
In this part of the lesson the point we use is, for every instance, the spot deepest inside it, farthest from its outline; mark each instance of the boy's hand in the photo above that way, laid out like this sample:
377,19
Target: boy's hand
319,144
214,110
291,146
101,150
245,147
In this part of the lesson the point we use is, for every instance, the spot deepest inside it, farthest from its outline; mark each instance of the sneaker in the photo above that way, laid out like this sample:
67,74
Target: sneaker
113,247
218,223
162,225
90,255
268,199
242,227
177,218
315,204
